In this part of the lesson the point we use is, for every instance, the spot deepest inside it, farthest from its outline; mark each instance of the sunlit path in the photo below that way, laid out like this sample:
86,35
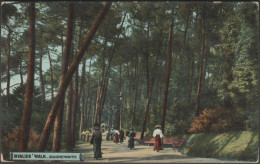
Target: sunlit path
120,153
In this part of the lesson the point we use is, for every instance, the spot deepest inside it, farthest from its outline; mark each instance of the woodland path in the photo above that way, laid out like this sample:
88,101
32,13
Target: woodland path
119,153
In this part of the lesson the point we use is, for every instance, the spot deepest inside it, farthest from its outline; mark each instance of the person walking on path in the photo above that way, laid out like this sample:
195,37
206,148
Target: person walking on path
96,140
116,136
121,135
108,135
112,133
87,134
83,135
157,133
131,142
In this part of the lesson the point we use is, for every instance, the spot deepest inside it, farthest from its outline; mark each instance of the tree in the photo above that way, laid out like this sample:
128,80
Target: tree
25,130
168,74
201,61
68,77
65,62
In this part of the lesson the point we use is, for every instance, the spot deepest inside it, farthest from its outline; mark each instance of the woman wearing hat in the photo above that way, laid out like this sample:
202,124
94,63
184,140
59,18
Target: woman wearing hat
131,141
96,140
157,133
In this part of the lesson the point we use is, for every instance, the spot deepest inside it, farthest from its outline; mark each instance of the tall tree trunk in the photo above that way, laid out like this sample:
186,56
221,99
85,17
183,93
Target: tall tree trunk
8,66
205,65
42,79
147,106
89,110
184,39
146,117
50,61
74,108
81,85
86,118
21,72
135,93
65,60
192,59
168,74
103,88
82,89
68,77
68,118
201,61
26,120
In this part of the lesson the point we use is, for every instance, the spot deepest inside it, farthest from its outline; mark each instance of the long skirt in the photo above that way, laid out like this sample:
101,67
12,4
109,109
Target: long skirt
97,149
87,137
157,144
131,142
107,137
116,138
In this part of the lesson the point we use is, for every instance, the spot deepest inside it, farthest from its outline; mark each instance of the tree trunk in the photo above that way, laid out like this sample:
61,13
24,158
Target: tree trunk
85,120
21,72
135,93
8,66
89,110
82,89
146,117
65,60
68,118
42,79
103,88
205,65
52,94
201,61
184,39
192,59
81,85
64,85
74,109
26,120
168,74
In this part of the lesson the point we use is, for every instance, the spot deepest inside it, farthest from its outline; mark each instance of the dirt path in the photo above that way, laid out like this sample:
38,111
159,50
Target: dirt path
120,153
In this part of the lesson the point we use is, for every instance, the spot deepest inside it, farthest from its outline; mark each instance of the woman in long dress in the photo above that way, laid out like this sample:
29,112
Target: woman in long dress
116,136
96,140
157,133
131,142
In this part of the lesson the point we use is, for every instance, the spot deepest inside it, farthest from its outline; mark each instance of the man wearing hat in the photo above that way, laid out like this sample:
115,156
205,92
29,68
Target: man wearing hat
96,140
157,133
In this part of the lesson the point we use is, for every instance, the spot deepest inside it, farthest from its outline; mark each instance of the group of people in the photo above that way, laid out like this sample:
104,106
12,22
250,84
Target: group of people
115,135
85,134
119,136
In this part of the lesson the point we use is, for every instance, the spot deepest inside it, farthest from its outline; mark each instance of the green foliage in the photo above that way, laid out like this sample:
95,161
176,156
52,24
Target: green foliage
239,145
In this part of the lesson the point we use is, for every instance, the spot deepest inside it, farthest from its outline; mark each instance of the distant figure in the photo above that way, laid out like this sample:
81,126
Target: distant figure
83,136
112,133
157,133
121,135
116,140
87,134
96,140
108,135
131,142
127,137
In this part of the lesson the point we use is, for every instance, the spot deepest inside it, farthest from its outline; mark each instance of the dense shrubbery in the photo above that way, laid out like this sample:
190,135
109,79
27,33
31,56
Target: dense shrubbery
220,119
10,142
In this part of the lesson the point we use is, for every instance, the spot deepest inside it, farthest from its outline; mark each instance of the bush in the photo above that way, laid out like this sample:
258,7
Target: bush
219,119
10,142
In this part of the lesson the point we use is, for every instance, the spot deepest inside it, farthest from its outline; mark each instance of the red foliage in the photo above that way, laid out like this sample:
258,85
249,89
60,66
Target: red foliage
212,120
10,142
